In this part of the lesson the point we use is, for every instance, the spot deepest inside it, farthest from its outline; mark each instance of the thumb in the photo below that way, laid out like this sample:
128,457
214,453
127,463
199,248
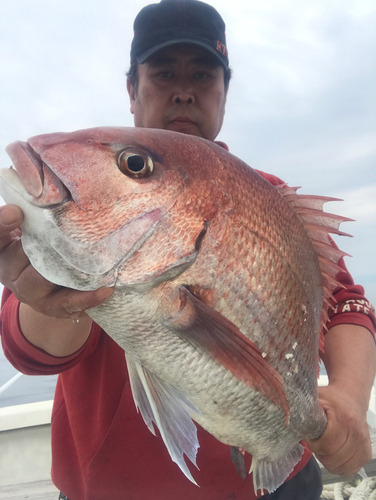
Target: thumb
74,303
11,216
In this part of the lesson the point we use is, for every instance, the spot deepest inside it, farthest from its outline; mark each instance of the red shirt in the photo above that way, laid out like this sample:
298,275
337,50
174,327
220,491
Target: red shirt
101,447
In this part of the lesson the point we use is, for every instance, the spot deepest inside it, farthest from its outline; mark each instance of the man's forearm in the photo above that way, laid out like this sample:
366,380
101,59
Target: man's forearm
350,359
58,337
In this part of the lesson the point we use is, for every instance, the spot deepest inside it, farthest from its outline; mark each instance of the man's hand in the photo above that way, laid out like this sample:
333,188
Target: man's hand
345,447
28,286
46,310
350,360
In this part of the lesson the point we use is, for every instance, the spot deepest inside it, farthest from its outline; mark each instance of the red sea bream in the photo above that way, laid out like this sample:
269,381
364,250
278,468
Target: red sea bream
221,281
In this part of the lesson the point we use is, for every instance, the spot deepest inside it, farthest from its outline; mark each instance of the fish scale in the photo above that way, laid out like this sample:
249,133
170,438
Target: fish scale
220,280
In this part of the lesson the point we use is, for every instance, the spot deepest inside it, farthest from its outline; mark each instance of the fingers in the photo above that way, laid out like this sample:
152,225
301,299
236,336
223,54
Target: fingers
345,447
67,303
343,451
12,257
11,217
43,296
16,273
25,282
13,262
28,286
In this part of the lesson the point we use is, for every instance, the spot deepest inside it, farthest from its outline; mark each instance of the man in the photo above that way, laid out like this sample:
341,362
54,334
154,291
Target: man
101,448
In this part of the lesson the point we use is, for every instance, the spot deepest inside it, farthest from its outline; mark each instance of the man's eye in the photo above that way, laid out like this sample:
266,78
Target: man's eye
166,75
201,75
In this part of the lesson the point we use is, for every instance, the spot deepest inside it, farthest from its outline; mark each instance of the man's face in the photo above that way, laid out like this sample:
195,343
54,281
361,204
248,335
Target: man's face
180,88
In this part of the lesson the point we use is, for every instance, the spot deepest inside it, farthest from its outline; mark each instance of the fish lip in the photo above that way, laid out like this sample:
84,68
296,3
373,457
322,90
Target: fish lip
36,180
35,158
21,164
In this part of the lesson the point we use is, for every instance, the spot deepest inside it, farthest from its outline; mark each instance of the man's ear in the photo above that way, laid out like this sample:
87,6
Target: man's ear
132,94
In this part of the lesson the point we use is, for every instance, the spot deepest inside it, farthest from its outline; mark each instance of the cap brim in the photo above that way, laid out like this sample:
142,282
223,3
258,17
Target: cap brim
143,57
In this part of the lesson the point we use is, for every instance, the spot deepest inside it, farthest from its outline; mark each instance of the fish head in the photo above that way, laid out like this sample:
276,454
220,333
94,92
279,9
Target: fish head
94,199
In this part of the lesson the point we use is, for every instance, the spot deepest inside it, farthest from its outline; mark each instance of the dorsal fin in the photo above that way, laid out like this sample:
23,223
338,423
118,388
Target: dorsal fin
319,225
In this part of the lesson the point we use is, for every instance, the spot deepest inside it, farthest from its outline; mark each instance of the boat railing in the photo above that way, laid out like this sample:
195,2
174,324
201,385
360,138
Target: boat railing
10,382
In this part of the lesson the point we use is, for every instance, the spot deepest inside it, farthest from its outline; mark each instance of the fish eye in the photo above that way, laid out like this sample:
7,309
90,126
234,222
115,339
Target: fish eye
135,164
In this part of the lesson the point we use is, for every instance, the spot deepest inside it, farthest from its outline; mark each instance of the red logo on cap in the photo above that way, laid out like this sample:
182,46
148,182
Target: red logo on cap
221,47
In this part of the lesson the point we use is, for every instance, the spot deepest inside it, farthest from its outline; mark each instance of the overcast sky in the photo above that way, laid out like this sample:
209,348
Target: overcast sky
301,105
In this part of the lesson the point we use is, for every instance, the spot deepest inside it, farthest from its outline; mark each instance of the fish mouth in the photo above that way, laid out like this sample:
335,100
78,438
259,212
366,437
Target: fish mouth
40,182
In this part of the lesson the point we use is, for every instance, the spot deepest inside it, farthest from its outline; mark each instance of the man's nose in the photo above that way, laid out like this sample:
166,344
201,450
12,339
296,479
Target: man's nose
184,96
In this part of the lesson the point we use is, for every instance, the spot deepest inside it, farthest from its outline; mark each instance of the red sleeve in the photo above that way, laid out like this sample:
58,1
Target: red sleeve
351,306
23,355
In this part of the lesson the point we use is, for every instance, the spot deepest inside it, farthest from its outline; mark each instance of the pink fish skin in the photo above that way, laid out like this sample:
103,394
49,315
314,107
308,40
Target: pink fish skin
221,280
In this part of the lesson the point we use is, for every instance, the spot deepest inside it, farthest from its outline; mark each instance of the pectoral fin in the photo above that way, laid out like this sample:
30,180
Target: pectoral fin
169,409
208,330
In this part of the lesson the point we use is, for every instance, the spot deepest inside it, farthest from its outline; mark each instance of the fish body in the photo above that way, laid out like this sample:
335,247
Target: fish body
220,280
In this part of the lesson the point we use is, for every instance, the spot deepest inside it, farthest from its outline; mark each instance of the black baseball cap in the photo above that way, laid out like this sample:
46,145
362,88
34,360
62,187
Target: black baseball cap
171,22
